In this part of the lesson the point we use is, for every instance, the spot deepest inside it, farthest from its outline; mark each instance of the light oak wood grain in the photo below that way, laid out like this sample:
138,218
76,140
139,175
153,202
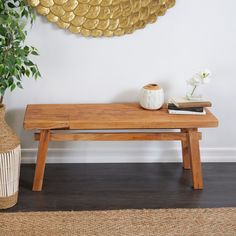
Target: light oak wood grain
109,116
163,136
41,160
185,151
194,153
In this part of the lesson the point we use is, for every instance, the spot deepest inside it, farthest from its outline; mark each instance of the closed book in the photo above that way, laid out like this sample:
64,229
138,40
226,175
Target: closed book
185,103
172,106
179,112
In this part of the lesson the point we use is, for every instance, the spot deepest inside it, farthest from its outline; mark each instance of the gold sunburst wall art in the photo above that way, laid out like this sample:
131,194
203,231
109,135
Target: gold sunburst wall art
102,17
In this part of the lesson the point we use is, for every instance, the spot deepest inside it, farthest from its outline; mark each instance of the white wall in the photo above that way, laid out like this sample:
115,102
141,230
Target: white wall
192,35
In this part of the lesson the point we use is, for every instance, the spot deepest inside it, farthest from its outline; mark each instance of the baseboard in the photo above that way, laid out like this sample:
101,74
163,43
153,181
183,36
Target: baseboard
129,156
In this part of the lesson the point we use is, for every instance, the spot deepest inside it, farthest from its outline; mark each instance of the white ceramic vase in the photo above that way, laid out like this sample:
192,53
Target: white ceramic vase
151,97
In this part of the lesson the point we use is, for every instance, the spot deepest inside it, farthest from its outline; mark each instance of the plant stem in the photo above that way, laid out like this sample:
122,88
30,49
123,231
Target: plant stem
1,99
193,90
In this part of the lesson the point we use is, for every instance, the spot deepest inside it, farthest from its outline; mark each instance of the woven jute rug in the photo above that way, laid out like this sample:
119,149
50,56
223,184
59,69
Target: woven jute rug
166,222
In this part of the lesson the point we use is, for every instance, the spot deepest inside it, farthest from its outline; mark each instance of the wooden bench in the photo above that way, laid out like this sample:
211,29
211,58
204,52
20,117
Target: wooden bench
111,119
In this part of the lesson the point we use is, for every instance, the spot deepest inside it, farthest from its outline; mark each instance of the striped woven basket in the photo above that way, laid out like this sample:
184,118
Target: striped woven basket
10,158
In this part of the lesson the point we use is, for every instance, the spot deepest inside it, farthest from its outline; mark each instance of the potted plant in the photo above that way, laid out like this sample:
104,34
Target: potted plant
15,64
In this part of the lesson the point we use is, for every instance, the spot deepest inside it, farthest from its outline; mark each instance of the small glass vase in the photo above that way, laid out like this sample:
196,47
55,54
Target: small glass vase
194,94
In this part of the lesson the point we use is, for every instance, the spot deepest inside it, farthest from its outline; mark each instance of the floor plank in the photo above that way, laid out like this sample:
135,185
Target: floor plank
126,186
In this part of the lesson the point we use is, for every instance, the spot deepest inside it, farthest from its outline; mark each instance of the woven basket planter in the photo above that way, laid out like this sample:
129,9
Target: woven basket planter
10,158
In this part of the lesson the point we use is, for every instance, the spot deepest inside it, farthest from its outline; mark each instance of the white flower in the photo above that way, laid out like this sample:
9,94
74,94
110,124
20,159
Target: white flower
205,76
202,77
205,73
194,81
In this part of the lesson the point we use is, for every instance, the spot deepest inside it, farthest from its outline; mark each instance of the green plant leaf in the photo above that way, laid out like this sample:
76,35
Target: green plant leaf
11,5
19,85
35,53
27,72
13,86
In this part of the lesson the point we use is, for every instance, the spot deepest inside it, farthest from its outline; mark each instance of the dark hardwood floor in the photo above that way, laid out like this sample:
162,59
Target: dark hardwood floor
126,186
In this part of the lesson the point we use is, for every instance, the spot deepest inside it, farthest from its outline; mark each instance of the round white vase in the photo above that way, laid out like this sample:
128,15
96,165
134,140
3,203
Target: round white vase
151,97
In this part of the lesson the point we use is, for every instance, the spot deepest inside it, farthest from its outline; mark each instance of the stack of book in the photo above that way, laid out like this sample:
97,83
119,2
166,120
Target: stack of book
183,106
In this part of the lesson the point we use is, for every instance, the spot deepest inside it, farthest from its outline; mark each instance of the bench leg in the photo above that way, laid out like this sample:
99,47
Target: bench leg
185,153
194,153
41,160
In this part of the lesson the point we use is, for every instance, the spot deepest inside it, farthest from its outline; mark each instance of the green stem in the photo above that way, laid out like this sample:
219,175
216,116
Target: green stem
193,90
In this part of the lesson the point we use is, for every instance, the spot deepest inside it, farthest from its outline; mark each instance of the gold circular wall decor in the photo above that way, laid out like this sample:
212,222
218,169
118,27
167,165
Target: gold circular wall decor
102,17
